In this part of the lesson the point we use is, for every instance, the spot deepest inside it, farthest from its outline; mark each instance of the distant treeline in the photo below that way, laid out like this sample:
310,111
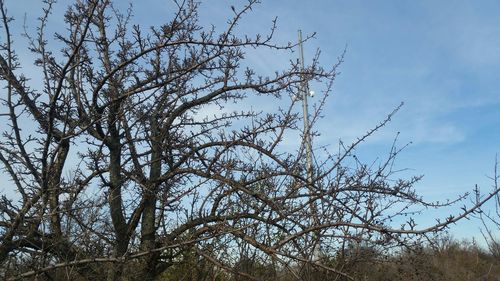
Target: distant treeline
443,259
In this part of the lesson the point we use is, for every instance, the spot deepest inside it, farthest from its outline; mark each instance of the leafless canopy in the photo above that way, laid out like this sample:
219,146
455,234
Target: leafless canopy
129,159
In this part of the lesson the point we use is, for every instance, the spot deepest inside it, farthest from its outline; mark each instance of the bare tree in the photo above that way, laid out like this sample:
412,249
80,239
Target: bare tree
124,171
490,218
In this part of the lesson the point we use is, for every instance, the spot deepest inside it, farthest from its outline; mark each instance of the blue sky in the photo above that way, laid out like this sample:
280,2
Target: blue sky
441,58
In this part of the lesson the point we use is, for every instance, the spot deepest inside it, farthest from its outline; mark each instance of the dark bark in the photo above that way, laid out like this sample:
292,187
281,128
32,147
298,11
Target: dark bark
148,225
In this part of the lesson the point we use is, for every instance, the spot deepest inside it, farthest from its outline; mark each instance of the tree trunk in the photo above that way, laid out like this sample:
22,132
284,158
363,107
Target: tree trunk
148,227
115,196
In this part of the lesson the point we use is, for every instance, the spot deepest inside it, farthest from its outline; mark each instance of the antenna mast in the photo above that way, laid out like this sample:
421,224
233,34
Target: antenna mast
307,135
304,88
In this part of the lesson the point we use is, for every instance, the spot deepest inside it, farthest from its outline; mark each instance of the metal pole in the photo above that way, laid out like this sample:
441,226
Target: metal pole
307,135
307,139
